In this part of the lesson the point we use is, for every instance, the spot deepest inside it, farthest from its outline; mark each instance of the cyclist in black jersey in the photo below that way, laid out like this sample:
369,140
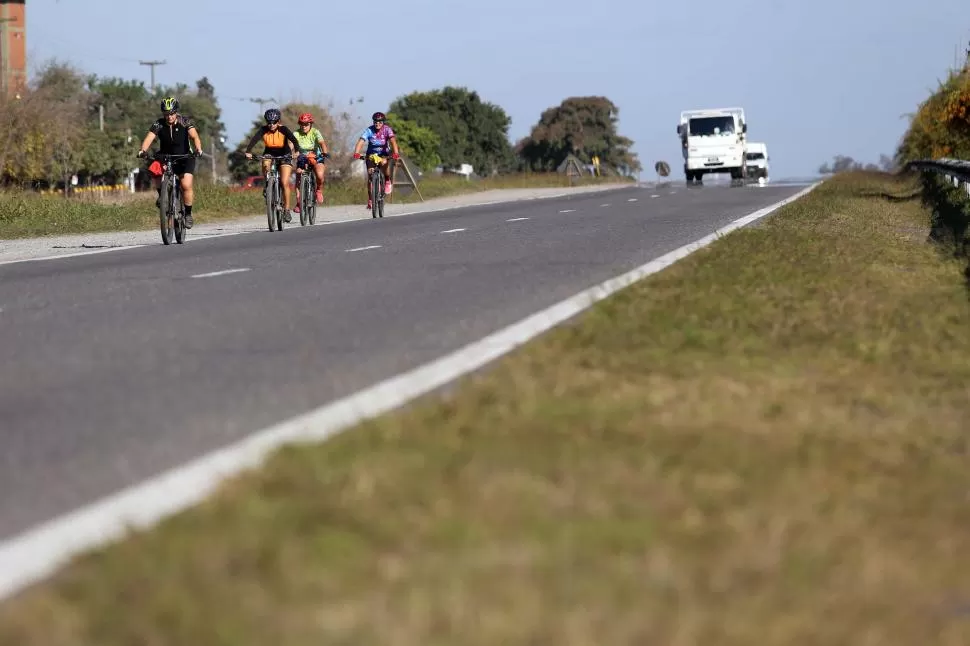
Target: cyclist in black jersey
174,133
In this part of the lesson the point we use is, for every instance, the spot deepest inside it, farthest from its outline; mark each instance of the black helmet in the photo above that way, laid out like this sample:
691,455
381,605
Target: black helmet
378,116
170,104
272,115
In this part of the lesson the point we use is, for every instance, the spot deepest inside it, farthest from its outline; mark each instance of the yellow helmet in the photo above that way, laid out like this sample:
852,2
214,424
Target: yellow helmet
170,104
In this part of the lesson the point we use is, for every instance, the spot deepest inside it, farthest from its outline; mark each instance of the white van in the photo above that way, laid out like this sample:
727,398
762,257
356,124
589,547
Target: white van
757,158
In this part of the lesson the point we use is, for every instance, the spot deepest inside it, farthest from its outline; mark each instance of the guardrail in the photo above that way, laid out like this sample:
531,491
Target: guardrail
955,170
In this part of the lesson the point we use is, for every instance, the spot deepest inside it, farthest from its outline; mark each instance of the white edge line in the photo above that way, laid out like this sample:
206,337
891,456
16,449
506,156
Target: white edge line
206,236
221,273
373,246
73,254
40,551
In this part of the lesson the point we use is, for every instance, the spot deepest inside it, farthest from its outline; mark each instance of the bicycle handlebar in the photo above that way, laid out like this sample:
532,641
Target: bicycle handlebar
165,156
286,156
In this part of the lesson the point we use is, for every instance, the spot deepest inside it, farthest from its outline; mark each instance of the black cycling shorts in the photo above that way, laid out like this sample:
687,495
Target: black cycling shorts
181,166
279,153
184,166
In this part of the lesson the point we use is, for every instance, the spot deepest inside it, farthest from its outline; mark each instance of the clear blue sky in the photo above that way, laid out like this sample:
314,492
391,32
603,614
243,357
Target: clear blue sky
816,78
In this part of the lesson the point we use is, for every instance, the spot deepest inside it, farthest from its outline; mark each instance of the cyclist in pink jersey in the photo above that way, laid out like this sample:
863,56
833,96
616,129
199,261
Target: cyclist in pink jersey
379,139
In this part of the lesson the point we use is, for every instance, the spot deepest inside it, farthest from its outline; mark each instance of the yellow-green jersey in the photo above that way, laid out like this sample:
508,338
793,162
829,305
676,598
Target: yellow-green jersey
309,142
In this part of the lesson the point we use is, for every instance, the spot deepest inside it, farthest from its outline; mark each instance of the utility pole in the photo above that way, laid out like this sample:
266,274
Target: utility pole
261,101
252,99
152,64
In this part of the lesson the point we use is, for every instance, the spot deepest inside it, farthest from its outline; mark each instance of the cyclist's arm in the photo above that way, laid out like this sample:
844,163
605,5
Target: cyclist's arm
360,144
147,142
252,142
392,138
150,136
323,143
194,134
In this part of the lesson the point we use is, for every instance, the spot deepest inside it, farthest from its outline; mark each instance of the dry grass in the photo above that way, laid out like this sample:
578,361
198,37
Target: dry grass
24,215
765,444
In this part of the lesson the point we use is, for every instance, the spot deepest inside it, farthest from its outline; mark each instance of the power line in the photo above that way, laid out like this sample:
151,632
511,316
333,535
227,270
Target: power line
152,64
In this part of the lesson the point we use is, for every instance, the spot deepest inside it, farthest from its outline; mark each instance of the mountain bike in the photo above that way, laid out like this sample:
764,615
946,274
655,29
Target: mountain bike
375,186
273,192
308,195
170,207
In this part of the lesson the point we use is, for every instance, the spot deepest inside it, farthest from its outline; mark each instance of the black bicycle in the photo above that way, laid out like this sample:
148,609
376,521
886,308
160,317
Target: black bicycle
273,191
171,209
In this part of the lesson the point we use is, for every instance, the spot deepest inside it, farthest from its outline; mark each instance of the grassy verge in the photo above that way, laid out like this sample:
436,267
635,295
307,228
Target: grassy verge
25,215
764,444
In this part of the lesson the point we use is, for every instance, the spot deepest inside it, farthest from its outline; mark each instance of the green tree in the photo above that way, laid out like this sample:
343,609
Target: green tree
419,144
470,130
581,126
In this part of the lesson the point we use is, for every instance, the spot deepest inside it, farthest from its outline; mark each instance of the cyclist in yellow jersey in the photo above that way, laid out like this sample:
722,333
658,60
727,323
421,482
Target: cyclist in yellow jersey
313,150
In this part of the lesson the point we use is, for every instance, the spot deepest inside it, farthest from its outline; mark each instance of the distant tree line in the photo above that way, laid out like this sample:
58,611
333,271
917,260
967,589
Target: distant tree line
844,163
69,123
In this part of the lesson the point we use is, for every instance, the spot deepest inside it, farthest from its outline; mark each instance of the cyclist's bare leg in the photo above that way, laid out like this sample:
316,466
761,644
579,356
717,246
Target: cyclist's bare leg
285,171
265,165
299,171
370,175
388,178
188,189
188,195
320,170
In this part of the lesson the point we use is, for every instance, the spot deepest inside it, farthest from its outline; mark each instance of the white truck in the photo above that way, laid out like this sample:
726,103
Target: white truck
757,157
714,141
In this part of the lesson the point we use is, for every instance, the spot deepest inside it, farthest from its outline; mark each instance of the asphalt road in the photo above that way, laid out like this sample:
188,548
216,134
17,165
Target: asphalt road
115,367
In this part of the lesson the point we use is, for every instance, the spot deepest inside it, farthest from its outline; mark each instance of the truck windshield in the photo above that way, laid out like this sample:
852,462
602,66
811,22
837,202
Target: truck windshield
754,156
707,126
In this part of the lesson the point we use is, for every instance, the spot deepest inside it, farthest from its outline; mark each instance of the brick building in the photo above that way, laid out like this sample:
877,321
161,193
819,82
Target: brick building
13,46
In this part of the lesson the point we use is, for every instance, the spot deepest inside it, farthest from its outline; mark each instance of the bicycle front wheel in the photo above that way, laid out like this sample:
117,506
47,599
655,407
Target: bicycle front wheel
279,205
271,205
375,193
164,220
